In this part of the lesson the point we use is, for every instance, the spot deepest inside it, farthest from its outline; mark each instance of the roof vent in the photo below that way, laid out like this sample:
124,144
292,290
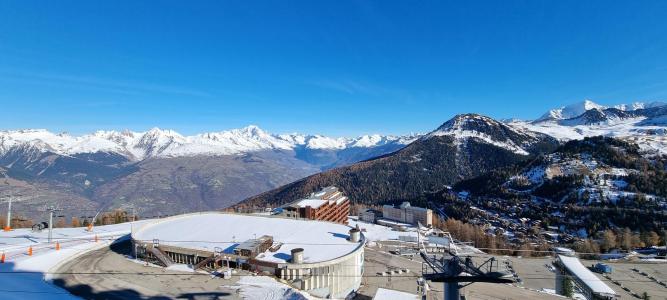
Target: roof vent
297,256
355,235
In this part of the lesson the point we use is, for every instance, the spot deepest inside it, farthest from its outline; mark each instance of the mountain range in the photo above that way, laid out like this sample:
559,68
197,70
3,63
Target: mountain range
642,123
158,143
471,145
463,147
577,109
163,172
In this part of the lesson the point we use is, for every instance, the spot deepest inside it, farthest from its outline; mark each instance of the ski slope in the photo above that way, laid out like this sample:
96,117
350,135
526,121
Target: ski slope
27,276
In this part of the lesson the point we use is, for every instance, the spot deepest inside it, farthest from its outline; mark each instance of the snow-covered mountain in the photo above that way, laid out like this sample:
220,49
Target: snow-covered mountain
569,111
577,109
465,127
642,123
168,143
111,169
463,147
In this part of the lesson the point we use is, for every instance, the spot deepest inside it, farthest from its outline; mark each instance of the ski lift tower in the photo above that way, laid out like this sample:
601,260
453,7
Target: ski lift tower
8,227
457,273
51,210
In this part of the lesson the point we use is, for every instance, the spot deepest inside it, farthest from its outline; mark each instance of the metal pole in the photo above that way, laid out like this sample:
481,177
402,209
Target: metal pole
9,215
132,223
51,210
452,291
50,224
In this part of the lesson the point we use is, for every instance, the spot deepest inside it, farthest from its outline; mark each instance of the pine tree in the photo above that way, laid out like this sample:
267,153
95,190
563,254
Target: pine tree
568,287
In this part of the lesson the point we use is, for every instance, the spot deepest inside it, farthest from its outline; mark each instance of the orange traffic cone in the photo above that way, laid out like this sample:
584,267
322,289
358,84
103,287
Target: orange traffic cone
90,227
2,259
7,228
57,246
30,251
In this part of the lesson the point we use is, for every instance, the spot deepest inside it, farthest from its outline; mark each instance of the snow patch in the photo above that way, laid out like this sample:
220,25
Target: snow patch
264,287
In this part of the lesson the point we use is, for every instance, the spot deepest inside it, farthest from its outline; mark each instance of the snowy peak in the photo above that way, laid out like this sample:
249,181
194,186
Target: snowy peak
569,111
250,138
579,109
642,123
364,141
598,116
639,105
467,127
468,122
158,142
471,125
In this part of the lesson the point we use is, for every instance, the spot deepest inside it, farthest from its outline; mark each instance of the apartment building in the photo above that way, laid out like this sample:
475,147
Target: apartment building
370,215
329,204
408,214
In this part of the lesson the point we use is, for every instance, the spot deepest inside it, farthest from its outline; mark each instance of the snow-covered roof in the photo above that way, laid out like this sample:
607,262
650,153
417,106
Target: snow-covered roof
321,241
394,295
384,221
341,200
314,203
574,266
406,205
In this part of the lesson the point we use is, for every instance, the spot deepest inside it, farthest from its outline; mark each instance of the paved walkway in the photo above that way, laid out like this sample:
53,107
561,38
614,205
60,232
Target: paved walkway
108,274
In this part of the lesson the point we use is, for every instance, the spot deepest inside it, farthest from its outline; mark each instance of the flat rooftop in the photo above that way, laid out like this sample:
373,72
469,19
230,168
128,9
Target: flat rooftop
321,241
314,203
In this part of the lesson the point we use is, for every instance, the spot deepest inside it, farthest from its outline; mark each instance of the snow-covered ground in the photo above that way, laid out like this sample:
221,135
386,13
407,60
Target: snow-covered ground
601,182
374,232
394,295
26,277
650,138
181,268
23,237
267,288
576,296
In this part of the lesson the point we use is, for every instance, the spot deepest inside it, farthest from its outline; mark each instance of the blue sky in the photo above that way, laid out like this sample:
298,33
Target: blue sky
336,67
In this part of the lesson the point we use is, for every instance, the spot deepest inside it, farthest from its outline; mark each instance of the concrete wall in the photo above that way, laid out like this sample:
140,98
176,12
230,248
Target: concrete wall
335,278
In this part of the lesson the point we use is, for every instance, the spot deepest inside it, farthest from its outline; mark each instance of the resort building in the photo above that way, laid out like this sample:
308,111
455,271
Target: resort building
408,214
329,204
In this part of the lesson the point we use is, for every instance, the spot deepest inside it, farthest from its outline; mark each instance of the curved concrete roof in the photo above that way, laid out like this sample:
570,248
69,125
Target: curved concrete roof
321,241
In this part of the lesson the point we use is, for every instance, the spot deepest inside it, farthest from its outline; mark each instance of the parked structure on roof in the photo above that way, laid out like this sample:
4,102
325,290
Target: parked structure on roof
329,204
408,214
253,247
